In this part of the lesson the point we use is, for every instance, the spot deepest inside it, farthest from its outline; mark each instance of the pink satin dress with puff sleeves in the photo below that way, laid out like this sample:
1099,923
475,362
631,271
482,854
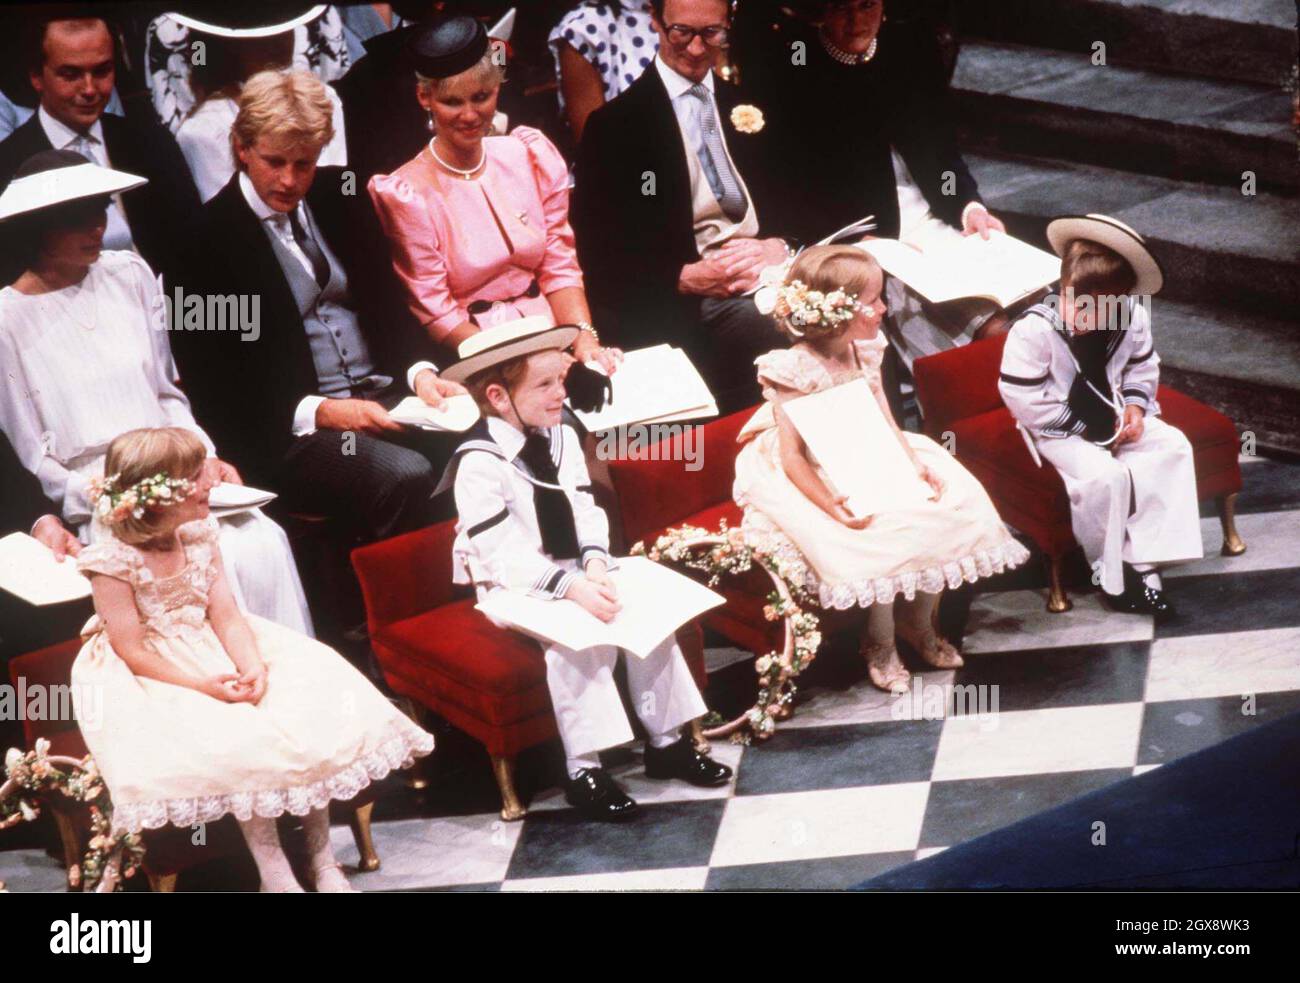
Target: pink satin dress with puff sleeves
484,241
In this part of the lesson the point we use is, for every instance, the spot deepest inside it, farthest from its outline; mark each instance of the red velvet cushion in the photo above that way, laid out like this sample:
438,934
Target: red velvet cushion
1213,438
405,575
991,448
455,654
49,667
958,383
654,495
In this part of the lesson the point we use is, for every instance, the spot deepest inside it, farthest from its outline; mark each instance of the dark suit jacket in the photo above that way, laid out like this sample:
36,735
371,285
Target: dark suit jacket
245,392
633,245
831,126
161,214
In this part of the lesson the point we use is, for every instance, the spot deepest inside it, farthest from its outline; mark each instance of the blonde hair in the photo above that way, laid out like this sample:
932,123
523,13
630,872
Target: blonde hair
292,105
486,71
826,269
1089,268
139,454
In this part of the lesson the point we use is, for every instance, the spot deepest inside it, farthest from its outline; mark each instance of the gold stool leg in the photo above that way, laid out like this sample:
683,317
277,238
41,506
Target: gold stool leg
360,823
503,768
1057,600
71,849
414,775
1233,544
163,883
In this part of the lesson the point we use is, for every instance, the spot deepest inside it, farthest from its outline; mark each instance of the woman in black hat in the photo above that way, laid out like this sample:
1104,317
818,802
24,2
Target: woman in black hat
479,224
86,357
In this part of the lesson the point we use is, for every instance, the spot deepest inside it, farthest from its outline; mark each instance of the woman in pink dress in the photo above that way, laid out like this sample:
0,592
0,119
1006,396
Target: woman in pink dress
479,224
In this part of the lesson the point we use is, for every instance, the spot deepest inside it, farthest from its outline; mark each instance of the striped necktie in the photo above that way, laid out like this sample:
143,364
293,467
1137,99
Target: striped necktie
713,157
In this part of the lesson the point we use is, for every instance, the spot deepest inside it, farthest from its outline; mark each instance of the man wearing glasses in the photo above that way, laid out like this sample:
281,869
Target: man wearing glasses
667,232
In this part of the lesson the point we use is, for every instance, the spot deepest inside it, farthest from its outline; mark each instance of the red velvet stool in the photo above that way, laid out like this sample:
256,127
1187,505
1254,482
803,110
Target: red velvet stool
437,650
958,393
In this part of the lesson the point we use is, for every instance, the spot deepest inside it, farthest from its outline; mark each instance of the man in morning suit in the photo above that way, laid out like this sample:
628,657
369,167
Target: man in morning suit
667,231
71,65
303,399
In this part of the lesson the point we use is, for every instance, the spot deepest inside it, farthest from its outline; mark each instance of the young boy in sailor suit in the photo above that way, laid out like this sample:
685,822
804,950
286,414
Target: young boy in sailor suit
1079,374
528,522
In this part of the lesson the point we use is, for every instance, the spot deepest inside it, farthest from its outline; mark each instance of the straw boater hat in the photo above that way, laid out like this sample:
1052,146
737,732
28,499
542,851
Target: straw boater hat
502,342
56,177
230,20
1115,235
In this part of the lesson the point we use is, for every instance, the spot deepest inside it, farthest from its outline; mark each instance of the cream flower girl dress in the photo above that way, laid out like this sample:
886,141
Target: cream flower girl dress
170,754
927,547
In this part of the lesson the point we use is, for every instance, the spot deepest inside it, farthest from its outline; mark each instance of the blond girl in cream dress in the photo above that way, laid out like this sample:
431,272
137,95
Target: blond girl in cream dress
207,711
896,560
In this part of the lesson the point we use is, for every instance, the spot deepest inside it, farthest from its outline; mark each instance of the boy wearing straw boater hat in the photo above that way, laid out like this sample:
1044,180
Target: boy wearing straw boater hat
1079,373
528,523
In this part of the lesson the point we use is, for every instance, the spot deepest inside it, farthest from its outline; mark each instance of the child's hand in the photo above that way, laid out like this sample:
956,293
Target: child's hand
1134,424
844,516
597,573
931,479
225,688
253,683
598,599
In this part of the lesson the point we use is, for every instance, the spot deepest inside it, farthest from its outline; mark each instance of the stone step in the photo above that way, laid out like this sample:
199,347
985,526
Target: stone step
1248,40
1216,245
1244,365
1046,103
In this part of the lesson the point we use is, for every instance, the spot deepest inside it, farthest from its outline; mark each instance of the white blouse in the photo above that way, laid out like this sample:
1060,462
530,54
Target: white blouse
82,365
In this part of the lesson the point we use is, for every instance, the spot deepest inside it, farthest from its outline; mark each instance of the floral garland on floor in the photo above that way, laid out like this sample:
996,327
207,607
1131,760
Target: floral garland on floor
111,855
726,552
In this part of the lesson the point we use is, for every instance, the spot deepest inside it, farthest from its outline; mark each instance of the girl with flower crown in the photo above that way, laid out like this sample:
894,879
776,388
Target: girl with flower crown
901,558
208,711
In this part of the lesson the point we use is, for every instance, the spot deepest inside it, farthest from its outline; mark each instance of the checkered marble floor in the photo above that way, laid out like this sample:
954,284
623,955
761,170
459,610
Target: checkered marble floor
859,782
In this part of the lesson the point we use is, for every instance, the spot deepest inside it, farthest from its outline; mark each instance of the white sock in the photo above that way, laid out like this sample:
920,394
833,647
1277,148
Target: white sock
661,741
578,762
324,866
1150,575
264,843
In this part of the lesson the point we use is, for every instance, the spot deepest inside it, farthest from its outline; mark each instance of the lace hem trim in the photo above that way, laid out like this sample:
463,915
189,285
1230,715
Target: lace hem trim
397,752
879,590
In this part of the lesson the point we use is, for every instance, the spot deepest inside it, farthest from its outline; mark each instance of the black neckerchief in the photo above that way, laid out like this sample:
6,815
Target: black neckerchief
1090,392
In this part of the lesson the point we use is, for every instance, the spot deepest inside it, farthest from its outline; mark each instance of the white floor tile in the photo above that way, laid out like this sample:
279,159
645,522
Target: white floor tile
1143,769
929,851
1012,621
670,879
1202,666
1030,742
1272,542
432,852
831,823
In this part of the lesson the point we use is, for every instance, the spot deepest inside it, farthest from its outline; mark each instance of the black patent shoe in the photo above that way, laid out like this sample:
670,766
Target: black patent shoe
1138,598
597,796
682,761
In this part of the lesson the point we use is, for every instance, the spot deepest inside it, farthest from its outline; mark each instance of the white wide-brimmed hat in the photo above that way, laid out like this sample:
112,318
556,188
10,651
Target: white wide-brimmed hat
1114,235
502,342
56,177
229,20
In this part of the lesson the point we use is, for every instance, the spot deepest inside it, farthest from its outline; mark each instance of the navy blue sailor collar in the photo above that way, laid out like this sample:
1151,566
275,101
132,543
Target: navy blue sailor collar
493,435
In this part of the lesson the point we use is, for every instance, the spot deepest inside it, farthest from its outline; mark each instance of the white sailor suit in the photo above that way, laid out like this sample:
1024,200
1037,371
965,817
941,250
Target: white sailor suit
1136,505
498,546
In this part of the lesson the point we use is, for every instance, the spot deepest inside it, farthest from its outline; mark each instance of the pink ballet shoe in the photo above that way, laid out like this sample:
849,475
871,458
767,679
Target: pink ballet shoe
885,669
329,879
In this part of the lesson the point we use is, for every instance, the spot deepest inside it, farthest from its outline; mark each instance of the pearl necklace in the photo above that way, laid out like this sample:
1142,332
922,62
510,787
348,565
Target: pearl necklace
466,174
847,58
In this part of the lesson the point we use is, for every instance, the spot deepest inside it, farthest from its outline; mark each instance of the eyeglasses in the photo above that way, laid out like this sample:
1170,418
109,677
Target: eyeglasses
681,35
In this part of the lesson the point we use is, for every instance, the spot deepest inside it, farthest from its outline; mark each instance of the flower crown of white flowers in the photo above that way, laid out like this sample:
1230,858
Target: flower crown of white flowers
802,308
158,491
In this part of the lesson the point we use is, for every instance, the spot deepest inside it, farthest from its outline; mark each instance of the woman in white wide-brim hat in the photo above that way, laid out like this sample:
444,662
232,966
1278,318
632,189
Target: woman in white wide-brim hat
84,344
1080,374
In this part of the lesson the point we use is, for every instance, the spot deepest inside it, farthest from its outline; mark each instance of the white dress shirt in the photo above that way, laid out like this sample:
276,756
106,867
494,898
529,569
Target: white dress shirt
90,144
498,542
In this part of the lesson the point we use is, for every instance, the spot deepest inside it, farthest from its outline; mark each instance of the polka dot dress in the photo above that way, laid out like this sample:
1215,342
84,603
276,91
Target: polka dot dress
619,45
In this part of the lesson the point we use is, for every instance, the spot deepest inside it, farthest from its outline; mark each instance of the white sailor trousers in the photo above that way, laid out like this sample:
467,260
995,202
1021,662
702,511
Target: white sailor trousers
1164,526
